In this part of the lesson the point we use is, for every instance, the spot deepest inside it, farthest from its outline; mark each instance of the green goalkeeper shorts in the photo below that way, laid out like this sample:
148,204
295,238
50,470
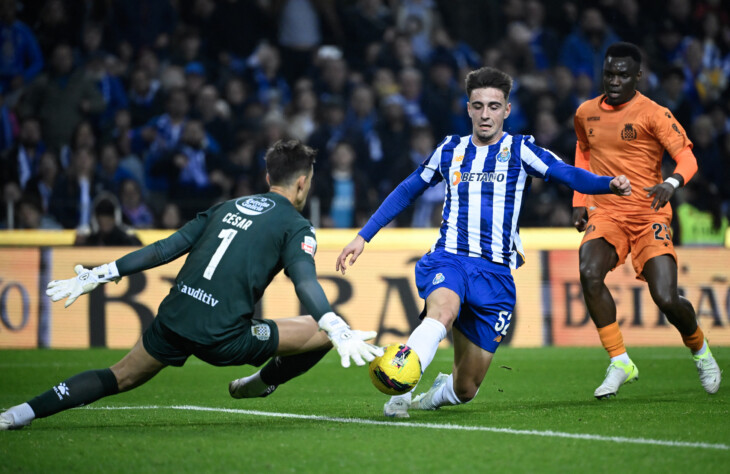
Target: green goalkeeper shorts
254,345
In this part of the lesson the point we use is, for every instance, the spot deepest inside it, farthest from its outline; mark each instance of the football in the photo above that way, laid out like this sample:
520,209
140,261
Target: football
397,371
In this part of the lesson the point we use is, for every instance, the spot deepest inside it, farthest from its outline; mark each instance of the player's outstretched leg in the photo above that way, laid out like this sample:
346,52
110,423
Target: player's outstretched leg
278,370
301,346
424,341
136,368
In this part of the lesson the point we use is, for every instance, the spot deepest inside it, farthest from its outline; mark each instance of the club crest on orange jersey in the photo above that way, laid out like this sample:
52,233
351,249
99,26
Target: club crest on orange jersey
628,133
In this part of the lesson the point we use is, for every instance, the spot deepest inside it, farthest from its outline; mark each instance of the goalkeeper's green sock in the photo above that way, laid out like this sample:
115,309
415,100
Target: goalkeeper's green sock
81,389
281,369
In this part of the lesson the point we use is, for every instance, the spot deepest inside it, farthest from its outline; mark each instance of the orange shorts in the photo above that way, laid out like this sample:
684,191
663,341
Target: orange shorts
644,237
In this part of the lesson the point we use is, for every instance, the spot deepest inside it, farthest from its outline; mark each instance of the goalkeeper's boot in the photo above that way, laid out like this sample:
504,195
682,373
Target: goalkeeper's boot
7,422
243,388
708,370
424,401
617,374
396,407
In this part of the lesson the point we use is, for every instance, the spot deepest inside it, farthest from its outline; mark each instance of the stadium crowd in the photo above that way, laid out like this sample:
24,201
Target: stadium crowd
147,111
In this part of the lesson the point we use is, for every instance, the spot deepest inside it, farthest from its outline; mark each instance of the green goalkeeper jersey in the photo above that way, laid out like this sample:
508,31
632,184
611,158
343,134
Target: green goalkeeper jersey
236,249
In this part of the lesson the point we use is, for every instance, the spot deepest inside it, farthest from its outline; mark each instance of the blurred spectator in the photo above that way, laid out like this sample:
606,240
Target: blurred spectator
143,24
83,136
61,98
41,185
195,79
366,22
145,97
708,151
345,194
426,212
671,95
8,125
135,211
360,120
31,215
441,93
301,32
302,117
544,41
110,87
394,132
171,217
419,19
55,25
21,60
189,169
583,50
411,86
109,172
214,114
107,228
270,87
72,197
21,163
332,81
233,30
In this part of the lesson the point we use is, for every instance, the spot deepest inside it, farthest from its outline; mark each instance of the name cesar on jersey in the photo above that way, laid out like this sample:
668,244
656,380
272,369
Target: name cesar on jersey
237,221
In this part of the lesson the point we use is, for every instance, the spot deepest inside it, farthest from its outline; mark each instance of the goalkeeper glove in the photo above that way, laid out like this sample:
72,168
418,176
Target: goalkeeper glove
84,282
349,343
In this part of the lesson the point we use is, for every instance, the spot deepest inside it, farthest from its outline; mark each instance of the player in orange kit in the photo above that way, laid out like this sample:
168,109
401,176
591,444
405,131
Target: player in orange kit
624,132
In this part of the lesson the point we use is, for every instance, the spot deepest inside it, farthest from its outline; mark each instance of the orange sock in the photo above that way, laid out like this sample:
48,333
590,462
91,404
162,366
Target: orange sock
612,339
695,341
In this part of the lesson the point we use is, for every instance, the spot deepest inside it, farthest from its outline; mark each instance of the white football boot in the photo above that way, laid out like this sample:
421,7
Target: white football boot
617,374
709,371
424,401
396,407
241,388
7,422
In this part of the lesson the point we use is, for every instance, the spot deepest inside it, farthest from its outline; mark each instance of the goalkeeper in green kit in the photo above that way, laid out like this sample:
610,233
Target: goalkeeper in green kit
234,249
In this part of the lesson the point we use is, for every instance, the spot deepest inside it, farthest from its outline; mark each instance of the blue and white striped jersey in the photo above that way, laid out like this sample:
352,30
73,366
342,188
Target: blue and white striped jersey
484,193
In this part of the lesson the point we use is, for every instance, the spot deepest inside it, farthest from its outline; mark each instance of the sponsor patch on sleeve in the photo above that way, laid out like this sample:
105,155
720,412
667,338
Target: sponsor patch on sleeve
309,245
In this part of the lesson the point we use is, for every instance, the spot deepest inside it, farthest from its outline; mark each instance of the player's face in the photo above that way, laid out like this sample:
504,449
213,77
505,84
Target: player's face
620,76
488,108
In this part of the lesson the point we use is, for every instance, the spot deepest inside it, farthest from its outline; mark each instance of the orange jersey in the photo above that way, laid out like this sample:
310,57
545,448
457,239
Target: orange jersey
628,139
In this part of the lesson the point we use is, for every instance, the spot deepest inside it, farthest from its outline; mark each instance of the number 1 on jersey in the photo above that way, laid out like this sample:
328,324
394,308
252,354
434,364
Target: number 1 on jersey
227,235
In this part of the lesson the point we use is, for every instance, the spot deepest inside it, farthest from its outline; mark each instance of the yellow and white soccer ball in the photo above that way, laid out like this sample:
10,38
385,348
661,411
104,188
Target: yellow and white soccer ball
397,371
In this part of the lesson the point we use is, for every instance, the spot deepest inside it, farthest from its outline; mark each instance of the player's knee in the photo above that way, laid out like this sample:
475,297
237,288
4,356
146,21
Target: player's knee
666,300
444,316
590,278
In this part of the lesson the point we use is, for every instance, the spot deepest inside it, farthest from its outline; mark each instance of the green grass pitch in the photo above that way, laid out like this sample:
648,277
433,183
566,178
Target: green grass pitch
535,412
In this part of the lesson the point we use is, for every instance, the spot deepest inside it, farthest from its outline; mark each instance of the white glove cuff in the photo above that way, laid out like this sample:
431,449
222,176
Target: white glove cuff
328,321
673,181
107,272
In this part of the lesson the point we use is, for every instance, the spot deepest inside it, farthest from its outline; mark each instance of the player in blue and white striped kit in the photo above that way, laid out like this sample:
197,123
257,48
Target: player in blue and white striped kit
466,278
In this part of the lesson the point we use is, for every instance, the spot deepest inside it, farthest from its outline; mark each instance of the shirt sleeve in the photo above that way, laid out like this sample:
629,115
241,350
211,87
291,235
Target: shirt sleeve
165,250
300,244
543,163
669,132
304,277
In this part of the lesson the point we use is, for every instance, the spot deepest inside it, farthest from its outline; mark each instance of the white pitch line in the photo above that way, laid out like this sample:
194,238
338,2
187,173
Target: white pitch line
435,426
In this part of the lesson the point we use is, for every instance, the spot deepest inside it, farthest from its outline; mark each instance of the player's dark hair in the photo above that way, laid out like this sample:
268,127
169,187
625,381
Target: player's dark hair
488,77
623,49
286,160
